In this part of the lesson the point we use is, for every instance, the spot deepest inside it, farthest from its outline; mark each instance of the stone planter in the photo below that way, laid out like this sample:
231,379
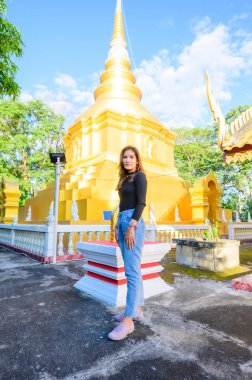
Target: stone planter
215,256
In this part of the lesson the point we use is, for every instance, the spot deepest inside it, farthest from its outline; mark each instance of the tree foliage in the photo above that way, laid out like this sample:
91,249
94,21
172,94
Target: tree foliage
28,132
11,44
197,152
235,112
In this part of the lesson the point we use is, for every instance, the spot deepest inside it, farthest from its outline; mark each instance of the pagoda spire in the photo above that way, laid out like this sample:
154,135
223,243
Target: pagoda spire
117,81
118,35
117,91
119,6
118,46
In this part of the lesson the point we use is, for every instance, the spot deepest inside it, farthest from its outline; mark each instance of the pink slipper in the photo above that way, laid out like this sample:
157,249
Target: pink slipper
120,332
119,317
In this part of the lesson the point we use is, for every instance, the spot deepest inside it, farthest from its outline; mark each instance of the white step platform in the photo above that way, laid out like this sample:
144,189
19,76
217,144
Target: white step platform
105,278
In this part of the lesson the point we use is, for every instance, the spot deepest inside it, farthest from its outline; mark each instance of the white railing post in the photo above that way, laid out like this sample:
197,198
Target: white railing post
70,244
152,235
60,244
231,234
80,236
12,236
48,243
162,235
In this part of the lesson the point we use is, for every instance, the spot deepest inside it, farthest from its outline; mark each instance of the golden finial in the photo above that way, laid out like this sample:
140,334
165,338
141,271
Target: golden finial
215,108
118,24
118,46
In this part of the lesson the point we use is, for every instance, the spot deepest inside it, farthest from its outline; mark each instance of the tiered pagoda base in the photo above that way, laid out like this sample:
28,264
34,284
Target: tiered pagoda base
105,278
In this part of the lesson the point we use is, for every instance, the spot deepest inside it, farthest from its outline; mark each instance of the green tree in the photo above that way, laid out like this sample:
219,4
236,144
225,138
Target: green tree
197,152
11,44
28,132
235,112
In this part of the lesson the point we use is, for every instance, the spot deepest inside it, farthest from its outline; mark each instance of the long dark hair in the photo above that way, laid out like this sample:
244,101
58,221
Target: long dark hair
124,172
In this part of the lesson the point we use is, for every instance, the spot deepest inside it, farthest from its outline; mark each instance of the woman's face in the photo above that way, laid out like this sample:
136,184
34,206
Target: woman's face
129,160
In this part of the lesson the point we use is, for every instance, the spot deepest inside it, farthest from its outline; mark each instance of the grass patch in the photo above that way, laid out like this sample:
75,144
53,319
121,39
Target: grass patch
172,270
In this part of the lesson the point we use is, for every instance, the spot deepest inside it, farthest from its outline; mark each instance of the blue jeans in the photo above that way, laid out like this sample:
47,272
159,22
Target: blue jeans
132,262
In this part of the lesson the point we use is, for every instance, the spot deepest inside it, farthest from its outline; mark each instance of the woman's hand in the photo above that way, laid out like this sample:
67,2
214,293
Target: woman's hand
130,237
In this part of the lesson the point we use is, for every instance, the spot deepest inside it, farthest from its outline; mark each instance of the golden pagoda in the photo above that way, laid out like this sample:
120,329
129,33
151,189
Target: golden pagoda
235,140
93,144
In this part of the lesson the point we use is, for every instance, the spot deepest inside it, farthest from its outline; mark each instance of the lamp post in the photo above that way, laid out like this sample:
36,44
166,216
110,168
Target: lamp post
57,159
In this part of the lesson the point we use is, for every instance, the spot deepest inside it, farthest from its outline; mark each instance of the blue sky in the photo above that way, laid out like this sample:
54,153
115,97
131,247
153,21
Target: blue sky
173,44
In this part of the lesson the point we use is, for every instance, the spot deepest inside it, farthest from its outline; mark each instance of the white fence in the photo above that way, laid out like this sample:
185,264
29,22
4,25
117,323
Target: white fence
38,239
33,239
240,231
165,233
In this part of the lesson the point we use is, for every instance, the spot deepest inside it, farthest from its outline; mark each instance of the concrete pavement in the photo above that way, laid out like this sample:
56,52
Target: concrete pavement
48,330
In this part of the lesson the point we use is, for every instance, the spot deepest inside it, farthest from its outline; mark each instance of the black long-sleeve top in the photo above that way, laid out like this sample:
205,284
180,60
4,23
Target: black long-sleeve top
132,194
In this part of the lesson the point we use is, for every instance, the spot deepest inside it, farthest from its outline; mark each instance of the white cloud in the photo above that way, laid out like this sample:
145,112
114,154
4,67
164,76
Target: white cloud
25,97
174,87
81,96
65,80
62,107
239,17
65,99
59,96
246,52
202,26
42,92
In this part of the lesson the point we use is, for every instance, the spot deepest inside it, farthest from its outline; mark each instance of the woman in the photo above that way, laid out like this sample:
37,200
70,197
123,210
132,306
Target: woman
129,232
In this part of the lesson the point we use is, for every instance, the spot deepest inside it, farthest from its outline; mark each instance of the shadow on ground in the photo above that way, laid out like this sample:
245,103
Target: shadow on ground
49,330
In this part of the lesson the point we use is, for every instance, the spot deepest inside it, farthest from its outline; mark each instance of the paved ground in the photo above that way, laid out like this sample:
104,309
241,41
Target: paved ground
48,330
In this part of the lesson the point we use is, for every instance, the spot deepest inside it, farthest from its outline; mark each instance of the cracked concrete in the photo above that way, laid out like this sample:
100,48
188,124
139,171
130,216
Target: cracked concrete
48,330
